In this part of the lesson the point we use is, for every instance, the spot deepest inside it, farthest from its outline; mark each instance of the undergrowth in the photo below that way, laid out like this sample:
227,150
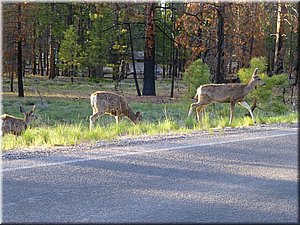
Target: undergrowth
161,119
63,113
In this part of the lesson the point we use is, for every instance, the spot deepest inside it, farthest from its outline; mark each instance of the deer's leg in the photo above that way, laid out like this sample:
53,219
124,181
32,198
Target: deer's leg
117,119
245,105
200,111
193,105
232,104
93,118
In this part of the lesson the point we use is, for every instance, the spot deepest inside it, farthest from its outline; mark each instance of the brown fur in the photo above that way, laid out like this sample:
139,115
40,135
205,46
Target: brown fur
14,125
104,102
225,93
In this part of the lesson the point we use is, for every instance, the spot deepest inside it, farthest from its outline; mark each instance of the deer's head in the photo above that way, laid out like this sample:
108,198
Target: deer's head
256,80
138,117
28,116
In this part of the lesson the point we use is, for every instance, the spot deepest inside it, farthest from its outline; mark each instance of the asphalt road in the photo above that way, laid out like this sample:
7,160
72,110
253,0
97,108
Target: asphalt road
242,177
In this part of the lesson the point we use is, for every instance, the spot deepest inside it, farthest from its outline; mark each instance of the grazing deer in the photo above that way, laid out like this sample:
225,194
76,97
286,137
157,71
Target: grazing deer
14,125
104,102
225,93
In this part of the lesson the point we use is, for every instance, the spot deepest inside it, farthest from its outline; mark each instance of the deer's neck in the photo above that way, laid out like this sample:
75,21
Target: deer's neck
250,86
27,120
131,115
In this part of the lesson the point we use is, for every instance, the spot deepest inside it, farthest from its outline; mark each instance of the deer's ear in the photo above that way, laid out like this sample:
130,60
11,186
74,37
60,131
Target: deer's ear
33,108
255,72
22,110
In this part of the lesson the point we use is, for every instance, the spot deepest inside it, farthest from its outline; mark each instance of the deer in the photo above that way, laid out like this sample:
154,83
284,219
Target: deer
225,93
14,125
104,102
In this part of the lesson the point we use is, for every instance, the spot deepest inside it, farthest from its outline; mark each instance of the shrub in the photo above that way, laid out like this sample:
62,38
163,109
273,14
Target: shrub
196,74
269,97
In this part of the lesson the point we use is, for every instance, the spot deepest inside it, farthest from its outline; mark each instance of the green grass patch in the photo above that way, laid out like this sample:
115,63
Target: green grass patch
64,109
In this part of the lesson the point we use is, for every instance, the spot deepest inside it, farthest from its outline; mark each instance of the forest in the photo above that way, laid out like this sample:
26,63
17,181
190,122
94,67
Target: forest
148,48
87,39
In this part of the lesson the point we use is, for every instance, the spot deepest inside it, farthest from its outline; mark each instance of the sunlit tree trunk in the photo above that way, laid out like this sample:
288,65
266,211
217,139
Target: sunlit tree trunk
279,51
220,45
52,56
149,61
298,52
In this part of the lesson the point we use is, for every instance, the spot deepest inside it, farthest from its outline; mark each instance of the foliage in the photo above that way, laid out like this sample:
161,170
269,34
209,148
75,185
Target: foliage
196,74
97,46
246,73
70,50
270,96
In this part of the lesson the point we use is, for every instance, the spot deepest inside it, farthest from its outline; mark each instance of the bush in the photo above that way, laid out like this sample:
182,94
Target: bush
269,97
246,73
195,75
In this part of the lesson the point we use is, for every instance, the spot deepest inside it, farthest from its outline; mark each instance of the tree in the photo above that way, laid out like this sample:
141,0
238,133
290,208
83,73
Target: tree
149,61
279,48
196,74
70,51
220,46
52,45
20,54
298,49
98,41
222,33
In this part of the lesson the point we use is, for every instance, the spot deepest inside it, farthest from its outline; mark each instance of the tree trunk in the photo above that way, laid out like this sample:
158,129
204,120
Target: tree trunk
33,55
41,68
220,47
19,57
52,60
11,80
174,72
133,62
149,62
99,71
298,51
174,54
52,56
46,61
279,51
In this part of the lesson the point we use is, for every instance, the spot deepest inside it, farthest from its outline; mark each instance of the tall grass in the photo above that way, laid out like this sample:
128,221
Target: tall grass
165,118
63,116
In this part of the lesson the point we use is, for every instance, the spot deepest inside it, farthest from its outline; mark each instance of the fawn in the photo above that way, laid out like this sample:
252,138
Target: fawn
104,102
14,125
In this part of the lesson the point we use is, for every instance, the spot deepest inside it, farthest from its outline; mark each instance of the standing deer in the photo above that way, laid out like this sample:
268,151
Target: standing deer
104,102
225,93
14,125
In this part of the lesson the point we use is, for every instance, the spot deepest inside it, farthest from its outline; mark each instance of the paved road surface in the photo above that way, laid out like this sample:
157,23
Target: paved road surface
244,177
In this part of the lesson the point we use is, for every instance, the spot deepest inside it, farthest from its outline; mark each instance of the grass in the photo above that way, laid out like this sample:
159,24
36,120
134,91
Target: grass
64,109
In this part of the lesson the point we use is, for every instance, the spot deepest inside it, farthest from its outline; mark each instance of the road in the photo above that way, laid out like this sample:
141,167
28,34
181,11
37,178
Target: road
249,176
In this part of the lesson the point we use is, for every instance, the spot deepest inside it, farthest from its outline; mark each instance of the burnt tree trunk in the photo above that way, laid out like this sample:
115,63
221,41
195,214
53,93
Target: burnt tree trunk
298,49
174,55
220,47
279,51
149,61
19,57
